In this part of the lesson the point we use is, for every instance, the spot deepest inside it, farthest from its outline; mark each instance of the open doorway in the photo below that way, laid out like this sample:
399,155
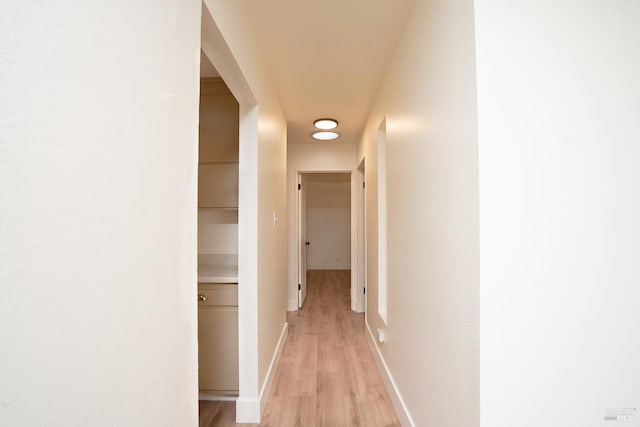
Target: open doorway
242,217
324,225
218,161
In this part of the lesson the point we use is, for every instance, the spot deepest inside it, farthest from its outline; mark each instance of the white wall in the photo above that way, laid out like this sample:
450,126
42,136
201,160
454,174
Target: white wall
98,161
262,243
317,157
559,207
329,222
428,101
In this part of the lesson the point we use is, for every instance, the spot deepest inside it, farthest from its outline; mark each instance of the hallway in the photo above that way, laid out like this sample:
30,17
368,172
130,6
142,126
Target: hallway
326,375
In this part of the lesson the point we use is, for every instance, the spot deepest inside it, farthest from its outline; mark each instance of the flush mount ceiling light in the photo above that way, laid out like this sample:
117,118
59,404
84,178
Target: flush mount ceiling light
325,124
325,135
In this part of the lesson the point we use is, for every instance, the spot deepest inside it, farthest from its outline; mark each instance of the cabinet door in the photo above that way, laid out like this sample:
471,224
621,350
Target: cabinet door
218,349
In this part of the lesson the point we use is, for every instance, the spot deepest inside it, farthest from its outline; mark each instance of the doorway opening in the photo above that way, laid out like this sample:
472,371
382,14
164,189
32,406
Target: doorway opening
239,219
218,161
325,225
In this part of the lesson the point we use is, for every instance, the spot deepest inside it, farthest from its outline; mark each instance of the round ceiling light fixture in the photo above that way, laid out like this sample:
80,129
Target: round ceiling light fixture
325,124
325,135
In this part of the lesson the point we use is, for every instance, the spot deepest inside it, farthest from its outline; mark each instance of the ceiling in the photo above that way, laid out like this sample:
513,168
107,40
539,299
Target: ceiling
327,57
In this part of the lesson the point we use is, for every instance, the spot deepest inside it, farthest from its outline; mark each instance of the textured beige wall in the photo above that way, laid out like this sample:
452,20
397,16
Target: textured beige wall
98,179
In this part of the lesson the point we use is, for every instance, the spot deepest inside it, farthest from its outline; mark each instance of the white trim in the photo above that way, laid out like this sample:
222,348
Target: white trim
248,352
359,228
271,372
382,221
390,384
249,410
328,267
353,263
292,305
203,395
294,173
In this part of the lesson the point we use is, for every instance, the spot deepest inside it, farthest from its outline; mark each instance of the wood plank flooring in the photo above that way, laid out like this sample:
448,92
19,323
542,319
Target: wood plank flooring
326,375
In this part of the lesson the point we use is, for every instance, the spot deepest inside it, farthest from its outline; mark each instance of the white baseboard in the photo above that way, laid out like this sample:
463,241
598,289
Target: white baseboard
203,395
328,267
390,384
250,410
292,304
247,411
271,372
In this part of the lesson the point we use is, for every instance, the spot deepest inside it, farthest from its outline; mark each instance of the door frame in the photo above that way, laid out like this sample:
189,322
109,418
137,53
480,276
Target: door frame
361,236
216,49
357,296
302,247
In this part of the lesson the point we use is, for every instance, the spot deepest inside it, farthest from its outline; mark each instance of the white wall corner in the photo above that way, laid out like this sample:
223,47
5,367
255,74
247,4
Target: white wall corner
247,411
250,410
292,305
271,373
396,398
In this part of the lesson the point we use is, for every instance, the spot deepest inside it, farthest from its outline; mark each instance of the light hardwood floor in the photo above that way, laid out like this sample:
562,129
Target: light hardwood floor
326,375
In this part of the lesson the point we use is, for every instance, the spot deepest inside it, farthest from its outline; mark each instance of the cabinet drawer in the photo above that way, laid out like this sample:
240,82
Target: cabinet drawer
218,294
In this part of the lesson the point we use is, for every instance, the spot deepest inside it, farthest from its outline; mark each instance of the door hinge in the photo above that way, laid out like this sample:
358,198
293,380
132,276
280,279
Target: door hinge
299,186
363,184
364,290
299,287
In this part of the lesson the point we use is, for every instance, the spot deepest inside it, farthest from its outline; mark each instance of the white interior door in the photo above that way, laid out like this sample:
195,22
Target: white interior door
302,241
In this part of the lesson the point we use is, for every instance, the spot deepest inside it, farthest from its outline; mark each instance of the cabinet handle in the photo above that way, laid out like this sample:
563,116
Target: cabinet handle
202,297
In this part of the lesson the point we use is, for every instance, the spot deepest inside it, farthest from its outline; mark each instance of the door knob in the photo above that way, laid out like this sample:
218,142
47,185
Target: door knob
202,297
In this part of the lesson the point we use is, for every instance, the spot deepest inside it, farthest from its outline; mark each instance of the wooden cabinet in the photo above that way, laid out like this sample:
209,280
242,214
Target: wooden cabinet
217,237
218,157
218,338
219,123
